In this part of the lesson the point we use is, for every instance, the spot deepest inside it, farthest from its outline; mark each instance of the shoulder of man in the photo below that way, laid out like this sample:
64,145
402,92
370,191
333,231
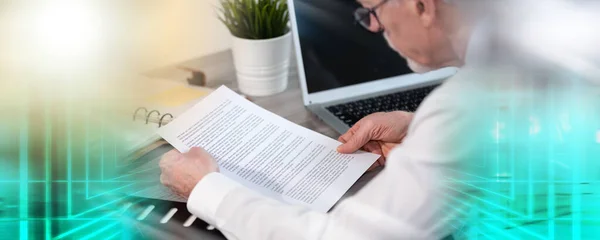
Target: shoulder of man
448,123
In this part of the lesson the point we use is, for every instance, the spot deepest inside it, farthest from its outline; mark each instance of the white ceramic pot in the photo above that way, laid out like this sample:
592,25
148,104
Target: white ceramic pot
262,66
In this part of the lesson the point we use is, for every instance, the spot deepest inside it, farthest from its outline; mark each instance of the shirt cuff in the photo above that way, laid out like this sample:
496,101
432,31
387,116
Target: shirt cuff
207,195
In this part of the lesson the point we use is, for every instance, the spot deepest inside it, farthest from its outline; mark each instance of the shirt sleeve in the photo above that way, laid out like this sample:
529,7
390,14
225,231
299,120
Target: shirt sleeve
208,194
404,201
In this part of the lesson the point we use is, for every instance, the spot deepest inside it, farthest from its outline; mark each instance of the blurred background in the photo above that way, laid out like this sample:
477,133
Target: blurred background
71,72
68,69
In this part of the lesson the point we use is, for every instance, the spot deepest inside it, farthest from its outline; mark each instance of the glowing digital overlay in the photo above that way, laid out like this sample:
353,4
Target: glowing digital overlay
531,148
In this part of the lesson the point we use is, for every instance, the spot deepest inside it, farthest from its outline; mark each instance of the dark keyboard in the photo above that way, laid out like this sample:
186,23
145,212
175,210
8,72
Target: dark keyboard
408,101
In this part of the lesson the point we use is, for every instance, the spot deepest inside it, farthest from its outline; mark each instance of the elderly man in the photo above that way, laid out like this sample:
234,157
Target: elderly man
405,200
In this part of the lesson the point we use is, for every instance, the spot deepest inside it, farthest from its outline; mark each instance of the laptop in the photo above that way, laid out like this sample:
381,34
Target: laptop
346,72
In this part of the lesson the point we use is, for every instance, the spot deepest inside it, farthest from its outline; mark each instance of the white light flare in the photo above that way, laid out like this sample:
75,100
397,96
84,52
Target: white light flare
67,31
561,31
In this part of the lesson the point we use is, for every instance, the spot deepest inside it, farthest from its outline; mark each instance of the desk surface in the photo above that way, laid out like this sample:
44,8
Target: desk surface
219,70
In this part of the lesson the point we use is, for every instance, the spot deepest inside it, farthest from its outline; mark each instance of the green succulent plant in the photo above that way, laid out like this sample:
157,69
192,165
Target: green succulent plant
255,19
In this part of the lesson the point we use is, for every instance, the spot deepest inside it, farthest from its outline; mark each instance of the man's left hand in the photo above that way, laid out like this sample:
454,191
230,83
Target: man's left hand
182,171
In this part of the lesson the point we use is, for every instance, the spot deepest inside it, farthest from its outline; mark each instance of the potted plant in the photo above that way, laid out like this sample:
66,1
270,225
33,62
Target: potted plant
261,43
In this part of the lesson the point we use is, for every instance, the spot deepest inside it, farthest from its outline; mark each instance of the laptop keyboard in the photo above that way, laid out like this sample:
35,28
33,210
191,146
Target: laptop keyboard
408,101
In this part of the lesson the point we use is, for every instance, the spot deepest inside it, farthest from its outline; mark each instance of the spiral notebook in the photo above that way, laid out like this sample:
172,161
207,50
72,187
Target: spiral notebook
164,102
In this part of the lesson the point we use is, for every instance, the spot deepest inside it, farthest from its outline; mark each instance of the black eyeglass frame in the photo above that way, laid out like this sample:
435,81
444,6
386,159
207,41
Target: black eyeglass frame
364,18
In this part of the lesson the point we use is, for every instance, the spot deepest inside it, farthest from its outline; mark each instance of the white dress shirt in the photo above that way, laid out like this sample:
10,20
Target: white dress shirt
408,199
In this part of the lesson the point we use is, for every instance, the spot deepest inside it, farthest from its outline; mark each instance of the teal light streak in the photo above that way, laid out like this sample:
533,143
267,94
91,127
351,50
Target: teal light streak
95,233
480,188
470,174
105,217
83,181
48,168
24,184
551,194
102,149
576,199
114,151
110,191
495,216
503,232
576,208
497,145
104,205
487,236
565,218
55,219
69,164
114,235
462,222
512,147
87,157
470,206
530,191
136,172
74,230
551,177
487,202
526,181
530,186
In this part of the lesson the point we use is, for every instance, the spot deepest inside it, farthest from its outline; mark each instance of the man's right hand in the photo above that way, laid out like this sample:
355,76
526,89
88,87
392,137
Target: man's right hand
378,133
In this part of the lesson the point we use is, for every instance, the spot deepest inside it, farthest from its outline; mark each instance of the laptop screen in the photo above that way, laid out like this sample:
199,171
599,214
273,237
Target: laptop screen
336,52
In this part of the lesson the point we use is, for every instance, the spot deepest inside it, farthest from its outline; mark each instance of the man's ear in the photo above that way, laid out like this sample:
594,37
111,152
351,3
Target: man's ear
426,10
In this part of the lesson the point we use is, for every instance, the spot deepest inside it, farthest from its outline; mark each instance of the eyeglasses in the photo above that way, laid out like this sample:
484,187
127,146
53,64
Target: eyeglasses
363,16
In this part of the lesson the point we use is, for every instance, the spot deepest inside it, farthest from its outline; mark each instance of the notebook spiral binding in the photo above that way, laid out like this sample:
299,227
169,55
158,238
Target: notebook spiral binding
147,115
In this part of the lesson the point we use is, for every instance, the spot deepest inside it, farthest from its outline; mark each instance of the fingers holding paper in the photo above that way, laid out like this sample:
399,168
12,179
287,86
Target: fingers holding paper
378,133
387,127
182,171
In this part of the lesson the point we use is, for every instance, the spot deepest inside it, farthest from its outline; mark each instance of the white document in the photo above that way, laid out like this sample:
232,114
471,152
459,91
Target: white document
266,152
